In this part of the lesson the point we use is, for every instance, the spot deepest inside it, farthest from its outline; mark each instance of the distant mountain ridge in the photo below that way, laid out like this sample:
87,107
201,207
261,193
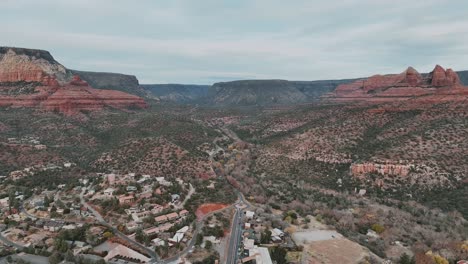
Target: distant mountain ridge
115,81
244,92
180,93
254,92
463,77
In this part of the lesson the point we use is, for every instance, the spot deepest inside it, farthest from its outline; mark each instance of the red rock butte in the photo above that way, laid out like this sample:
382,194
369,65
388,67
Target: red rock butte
54,88
440,85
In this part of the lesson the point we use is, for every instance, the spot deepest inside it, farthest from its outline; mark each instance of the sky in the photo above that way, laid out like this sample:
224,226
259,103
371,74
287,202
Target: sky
207,41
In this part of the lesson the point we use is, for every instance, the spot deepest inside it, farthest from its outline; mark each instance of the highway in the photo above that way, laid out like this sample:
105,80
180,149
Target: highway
234,239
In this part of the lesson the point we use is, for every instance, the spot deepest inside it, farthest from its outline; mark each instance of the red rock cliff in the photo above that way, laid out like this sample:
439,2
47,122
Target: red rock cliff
439,86
55,89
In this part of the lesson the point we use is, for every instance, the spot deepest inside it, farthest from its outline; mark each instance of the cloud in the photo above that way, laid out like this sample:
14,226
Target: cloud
211,40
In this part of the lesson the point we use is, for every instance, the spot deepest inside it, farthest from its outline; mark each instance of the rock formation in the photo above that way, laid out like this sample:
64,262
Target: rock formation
17,64
440,77
413,77
79,96
54,87
439,85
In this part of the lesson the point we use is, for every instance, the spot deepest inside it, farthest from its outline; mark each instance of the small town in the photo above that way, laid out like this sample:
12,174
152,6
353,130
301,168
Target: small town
129,218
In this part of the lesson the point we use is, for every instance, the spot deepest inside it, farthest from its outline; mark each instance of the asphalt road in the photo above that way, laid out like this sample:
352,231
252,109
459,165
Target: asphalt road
10,243
234,239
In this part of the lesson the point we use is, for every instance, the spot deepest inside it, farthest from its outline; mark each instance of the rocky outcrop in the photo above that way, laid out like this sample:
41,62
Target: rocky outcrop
413,77
382,169
439,85
17,64
79,96
32,78
440,77
73,97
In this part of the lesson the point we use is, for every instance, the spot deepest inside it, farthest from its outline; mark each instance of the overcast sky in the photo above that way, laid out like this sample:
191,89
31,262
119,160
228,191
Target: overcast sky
206,41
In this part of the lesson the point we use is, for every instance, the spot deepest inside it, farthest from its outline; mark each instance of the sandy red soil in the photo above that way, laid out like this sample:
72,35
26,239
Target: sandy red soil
205,209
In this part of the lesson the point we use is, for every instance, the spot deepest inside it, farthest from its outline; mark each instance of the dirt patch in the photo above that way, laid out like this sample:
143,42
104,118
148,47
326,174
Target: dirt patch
205,209
334,251
302,238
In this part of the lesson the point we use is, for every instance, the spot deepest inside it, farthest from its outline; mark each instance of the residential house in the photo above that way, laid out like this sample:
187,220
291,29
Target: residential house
40,147
183,213
158,242
131,188
249,214
160,219
151,231
138,217
53,226
145,195
132,226
163,181
126,199
172,216
157,208
277,235
165,227
4,202
132,210
110,178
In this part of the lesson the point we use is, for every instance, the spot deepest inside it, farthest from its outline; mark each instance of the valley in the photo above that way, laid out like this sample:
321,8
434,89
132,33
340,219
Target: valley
96,168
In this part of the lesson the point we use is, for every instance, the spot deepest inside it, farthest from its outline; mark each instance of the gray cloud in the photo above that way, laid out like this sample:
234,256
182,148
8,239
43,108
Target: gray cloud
212,40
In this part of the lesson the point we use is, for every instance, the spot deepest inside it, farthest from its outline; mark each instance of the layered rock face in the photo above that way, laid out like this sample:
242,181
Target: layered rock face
439,85
440,77
28,65
55,88
79,96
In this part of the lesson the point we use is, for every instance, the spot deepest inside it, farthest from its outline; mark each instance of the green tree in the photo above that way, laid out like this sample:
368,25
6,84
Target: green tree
378,228
265,237
208,245
405,259
278,255
61,245
199,239
55,258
